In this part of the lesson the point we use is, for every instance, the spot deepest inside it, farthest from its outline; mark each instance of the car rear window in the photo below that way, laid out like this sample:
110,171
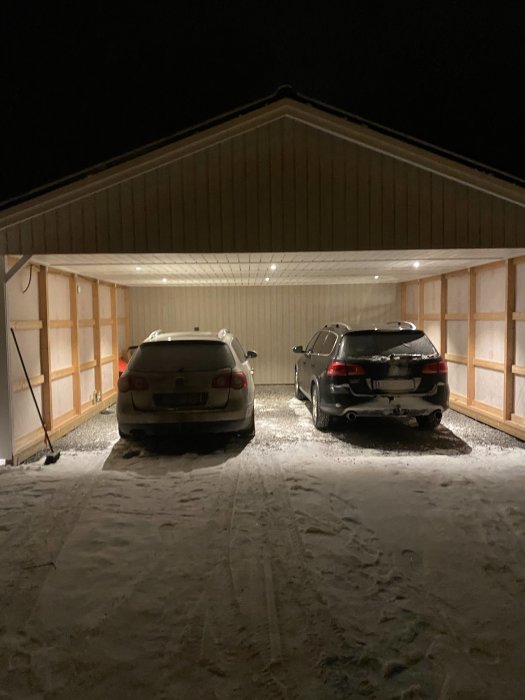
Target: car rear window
369,344
182,355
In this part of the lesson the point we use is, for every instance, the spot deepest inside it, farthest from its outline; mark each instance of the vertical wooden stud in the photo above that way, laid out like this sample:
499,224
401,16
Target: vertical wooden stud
114,335
126,307
45,356
73,281
471,351
403,300
442,314
510,338
96,338
421,303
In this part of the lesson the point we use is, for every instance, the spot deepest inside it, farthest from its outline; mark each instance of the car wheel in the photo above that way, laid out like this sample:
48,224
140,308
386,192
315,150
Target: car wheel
298,393
429,422
320,418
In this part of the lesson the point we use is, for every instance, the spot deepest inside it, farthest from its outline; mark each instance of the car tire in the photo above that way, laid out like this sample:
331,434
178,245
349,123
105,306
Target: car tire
429,422
321,420
298,393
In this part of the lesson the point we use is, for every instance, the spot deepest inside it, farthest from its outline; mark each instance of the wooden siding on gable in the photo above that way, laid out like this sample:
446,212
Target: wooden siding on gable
285,185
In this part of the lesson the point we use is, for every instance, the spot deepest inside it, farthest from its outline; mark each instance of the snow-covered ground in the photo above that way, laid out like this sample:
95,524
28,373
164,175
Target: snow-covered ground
377,561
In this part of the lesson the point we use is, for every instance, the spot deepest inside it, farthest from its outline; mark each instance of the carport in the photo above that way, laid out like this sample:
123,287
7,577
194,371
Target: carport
271,221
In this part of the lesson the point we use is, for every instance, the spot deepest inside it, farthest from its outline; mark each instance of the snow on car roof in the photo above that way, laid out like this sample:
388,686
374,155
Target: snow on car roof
164,336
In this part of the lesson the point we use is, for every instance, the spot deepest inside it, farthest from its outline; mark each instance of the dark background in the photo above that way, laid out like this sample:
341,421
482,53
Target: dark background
85,83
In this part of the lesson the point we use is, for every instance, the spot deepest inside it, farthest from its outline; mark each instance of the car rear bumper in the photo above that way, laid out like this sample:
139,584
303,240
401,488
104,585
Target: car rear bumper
183,422
382,405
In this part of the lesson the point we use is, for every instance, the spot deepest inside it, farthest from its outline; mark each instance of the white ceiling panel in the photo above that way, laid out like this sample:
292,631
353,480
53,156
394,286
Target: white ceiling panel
248,269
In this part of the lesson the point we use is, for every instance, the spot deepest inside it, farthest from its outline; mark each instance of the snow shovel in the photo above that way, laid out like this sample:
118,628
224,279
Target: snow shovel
54,456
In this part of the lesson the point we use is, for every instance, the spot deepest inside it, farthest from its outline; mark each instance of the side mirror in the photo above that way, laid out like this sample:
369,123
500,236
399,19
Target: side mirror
298,348
250,354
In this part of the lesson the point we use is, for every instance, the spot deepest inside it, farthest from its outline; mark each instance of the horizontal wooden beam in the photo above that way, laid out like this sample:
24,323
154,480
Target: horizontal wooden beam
519,370
431,317
60,373
60,324
518,316
20,386
485,408
107,359
27,325
459,359
457,317
86,322
489,364
89,364
106,321
513,427
489,316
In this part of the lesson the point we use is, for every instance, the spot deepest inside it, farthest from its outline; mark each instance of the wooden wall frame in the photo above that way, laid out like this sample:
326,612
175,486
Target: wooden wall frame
502,418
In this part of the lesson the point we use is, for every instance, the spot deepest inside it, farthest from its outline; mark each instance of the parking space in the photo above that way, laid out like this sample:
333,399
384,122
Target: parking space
375,560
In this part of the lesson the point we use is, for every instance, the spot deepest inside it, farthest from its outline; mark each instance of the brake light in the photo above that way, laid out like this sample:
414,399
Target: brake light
344,369
439,367
232,380
130,382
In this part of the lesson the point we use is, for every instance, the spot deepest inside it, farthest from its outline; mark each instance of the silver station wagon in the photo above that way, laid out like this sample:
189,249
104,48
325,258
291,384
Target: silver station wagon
181,383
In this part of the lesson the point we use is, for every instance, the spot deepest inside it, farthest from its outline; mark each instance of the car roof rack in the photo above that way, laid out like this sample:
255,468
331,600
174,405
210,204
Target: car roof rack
154,334
338,324
403,325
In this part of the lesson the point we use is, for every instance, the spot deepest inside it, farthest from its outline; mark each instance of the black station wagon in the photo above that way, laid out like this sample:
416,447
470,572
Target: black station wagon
389,370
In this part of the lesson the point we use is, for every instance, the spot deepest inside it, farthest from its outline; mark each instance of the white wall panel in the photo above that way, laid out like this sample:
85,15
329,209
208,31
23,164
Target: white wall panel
25,415
490,340
121,302
107,377
490,289
457,337
23,306
269,320
86,350
457,294
519,396
412,299
432,297
520,287
122,345
62,396
29,344
106,340
60,348
520,343
104,300
87,385
489,387
457,378
58,293
433,330
85,299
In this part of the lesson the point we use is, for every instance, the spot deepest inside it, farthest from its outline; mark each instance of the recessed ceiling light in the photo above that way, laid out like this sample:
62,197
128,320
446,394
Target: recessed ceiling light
273,267
266,279
164,279
416,263
138,269
376,277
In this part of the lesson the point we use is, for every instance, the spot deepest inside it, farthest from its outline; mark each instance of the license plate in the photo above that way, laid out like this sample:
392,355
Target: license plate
394,385
179,400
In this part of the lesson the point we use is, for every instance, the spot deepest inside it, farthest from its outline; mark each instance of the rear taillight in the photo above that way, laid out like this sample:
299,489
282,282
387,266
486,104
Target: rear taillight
232,380
439,367
130,382
344,369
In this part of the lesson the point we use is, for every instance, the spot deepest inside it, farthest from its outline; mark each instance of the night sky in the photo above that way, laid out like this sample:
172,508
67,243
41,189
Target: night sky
82,85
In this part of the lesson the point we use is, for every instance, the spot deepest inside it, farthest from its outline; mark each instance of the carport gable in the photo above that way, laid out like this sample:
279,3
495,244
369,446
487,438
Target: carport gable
283,177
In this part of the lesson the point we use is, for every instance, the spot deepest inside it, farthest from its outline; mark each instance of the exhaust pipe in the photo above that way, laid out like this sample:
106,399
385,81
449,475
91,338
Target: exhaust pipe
351,416
438,415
